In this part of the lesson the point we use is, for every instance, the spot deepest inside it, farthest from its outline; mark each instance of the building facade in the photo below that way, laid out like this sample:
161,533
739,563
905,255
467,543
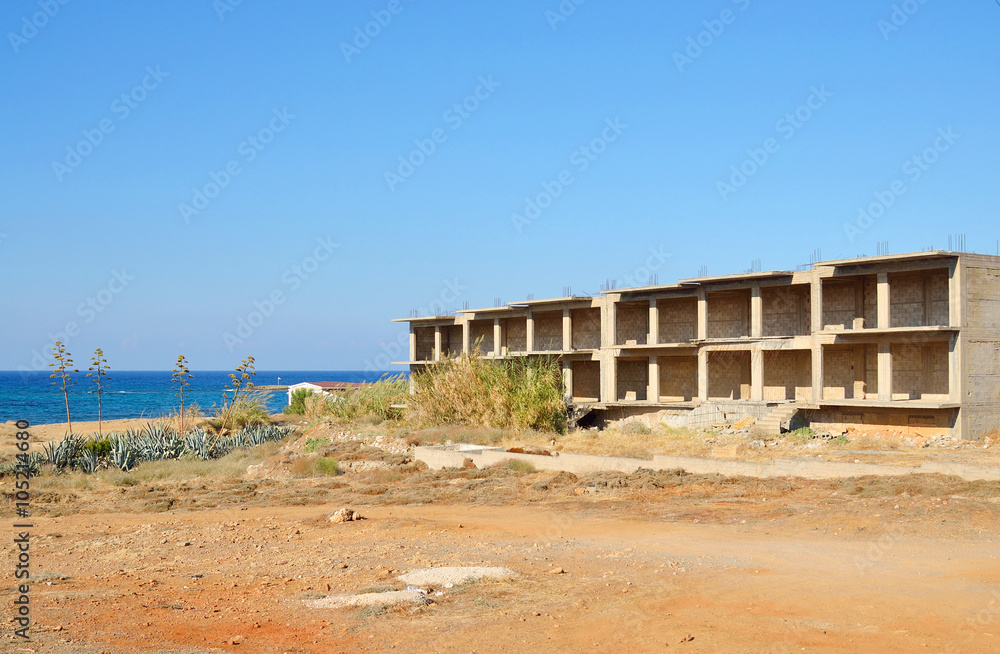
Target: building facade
907,343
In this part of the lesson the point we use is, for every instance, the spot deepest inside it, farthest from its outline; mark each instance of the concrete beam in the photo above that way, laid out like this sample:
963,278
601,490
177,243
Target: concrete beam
884,319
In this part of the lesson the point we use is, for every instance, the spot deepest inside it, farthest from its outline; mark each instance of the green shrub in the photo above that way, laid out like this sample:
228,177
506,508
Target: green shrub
327,467
100,447
374,401
297,405
520,393
517,465
313,444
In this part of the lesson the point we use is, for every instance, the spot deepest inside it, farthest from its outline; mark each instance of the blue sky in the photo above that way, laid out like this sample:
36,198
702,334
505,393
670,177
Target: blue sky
627,124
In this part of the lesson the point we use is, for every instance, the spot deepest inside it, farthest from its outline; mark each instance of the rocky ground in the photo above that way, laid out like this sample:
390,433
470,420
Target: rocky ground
179,559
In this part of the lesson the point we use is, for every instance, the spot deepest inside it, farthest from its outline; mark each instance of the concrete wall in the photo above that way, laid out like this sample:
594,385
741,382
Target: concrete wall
631,323
678,319
633,376
678,378
548,330
981,347
729,375
586,329
439,457
786,310
729,314
910,422
788,375
586,381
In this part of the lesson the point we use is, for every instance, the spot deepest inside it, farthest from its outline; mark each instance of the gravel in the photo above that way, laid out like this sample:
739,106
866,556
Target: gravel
391,598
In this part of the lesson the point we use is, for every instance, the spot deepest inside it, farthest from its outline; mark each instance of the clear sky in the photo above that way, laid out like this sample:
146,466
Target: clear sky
169,169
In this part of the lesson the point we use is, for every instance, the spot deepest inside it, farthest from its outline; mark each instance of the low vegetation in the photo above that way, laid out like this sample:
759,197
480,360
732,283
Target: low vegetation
517,393
375,402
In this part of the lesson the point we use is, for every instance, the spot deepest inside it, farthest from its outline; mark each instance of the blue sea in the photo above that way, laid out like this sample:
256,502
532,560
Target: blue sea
31,396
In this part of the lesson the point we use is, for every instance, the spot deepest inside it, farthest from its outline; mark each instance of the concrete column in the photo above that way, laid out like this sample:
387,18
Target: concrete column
702,314
413,343
653,388
497,336
466,336
437,342
609,315
567,330
756,312
883,305
884,372
817,372
816,306
567,375
529,331
702,375
654,323
757,374
956,294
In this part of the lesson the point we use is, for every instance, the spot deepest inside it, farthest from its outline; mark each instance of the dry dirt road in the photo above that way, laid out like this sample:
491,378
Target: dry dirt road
799,569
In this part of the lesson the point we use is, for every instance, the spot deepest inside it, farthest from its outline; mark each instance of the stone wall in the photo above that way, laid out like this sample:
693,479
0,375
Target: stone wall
728,314
787,375
481,330
678,319
516,332
548,331
425,343
586,329
678,378
786,310
729,375
631,323
632,378
586,381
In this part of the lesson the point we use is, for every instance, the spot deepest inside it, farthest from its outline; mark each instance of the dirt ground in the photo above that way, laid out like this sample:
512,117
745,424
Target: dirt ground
191,557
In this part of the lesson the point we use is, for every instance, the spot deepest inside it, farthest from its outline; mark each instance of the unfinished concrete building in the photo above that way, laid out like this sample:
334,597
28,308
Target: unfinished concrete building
907,343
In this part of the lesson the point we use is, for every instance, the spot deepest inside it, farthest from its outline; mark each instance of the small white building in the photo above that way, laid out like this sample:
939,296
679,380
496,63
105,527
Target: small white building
322,387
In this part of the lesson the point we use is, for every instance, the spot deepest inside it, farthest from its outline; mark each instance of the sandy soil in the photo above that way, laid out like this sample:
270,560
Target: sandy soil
185,560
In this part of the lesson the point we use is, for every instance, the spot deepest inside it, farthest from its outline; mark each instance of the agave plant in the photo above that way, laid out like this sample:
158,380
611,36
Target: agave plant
63,453
124,455
197,443
88,462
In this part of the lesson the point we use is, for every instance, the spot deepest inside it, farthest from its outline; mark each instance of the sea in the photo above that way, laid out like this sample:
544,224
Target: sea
32,396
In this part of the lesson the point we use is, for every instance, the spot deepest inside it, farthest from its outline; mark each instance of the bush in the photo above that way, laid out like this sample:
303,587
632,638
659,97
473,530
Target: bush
373,401
521,393
313,444
297,405
517,465
246,411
